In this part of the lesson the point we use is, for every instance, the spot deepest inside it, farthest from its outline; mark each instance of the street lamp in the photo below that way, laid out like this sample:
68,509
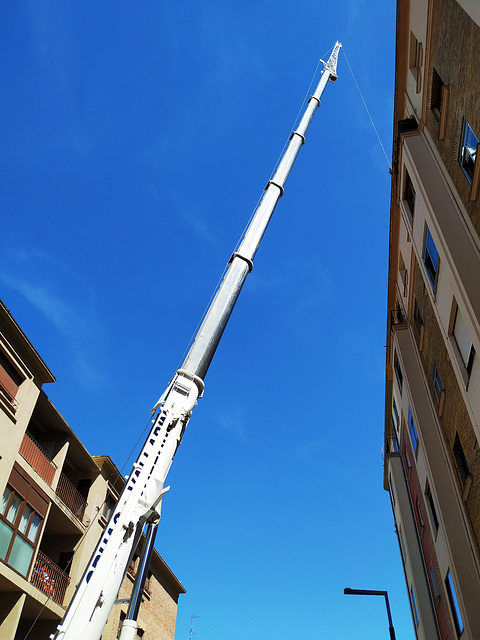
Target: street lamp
368,592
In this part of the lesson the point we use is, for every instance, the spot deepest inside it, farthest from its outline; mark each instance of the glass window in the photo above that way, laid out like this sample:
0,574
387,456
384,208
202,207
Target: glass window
414,606
437,94
17,542
452,597
468,151
5,497
25,519
413,431
433,511
108,506
14,507
5,537
437,382
463,340
460,460
34,527
430,258
395,414
398,372
407,460
409,194
419,512
20,555
435,588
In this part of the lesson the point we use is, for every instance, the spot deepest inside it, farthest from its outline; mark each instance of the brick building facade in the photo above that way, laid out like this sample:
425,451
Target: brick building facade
432,419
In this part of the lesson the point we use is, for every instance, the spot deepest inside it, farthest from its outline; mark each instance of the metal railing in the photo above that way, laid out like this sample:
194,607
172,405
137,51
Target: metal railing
71,497
49,578
37,458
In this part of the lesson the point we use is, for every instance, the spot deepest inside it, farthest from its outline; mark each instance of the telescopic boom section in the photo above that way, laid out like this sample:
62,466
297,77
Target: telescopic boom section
139,502
203,348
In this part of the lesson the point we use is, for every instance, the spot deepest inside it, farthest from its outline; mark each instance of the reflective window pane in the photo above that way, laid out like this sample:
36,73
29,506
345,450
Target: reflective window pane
23,526
34,527
14,507
5,497
20,555
5,537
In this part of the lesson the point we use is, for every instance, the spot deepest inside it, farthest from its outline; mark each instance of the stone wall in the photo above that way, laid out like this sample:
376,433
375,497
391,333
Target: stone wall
452,412
455,57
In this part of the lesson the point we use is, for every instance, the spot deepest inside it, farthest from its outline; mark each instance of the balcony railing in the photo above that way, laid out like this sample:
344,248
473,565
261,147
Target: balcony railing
38,458
49,578
71,497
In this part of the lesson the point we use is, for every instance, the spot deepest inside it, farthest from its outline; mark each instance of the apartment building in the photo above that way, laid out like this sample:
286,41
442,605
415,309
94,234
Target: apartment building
56,500
432,417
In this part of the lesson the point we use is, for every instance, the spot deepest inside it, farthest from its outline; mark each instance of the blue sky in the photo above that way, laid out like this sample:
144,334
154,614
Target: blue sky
136,141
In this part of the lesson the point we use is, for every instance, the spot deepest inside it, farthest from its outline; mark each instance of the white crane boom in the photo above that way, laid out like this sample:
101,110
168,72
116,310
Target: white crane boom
140,500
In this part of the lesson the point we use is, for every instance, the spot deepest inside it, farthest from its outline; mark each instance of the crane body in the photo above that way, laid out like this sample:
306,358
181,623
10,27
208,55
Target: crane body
140,501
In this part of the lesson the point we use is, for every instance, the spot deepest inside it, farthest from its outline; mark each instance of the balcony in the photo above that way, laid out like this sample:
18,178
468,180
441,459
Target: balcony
33,453
71,497
49,578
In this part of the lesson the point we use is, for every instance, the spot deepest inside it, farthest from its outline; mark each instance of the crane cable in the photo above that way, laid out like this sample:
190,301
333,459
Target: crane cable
368,112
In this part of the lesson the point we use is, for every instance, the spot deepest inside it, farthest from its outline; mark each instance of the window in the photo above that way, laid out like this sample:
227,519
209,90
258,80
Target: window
413,431
431,259
10,379
419,512
147,585
108,506
418,324
435,589
438,388
460,460
395,416
433,511
408,462
414,606
398,372
19,530
463,340
421,523
454,605
468,151
437,94
409,194
403,274
416,60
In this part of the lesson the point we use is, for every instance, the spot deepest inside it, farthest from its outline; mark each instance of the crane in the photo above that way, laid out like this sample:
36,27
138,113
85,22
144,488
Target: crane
140,501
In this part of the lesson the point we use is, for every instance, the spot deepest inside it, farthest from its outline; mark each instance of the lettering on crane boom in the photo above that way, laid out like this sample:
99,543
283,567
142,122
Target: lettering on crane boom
131,482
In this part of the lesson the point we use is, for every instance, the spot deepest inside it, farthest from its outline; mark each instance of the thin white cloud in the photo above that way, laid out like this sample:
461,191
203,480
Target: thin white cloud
52,307
69,322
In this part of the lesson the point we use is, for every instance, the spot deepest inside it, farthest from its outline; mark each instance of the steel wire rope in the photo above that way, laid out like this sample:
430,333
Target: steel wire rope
368,112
